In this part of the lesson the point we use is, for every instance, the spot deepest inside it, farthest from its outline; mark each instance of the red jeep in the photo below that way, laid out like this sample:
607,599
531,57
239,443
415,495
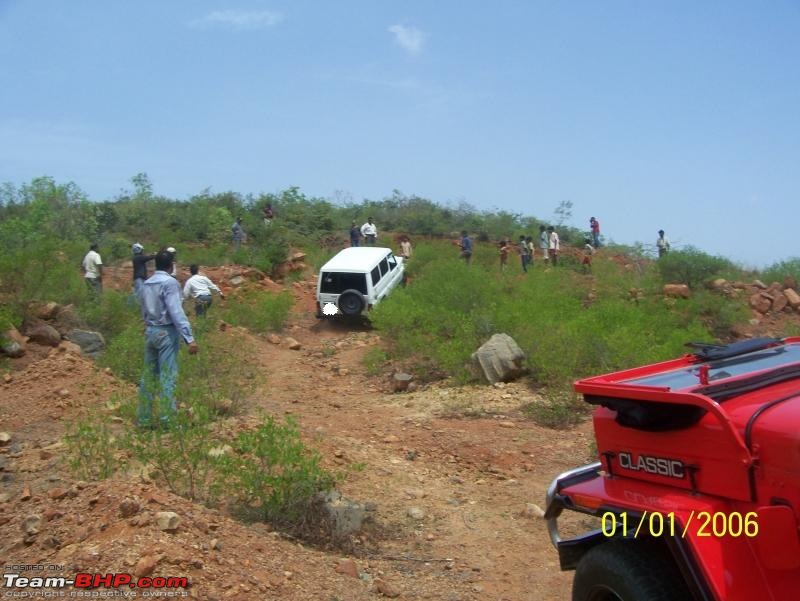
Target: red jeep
697,489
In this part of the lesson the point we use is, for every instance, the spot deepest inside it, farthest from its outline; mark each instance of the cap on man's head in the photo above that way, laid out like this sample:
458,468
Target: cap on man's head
660,231
171,249
137,248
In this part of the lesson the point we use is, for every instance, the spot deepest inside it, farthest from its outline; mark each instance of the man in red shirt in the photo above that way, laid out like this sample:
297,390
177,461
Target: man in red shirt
595,225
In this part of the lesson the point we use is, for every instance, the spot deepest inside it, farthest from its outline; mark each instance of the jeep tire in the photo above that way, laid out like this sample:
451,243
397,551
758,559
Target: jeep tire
350,302
628,571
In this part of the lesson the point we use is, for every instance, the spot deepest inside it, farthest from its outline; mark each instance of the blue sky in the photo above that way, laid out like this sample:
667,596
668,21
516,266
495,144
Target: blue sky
675,115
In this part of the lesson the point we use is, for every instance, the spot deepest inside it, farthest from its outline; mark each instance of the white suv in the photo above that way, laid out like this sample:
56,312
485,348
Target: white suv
357,279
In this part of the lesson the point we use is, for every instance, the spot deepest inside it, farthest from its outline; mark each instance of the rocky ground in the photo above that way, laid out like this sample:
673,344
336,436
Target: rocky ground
454,478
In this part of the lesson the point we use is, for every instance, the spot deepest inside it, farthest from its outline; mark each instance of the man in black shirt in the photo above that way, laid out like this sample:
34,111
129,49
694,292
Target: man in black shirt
139,266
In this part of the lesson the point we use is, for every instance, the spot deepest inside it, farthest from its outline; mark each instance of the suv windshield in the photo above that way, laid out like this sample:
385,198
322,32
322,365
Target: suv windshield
335,283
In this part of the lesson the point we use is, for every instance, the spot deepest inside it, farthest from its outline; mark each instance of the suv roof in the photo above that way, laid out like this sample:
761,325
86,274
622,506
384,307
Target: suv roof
358,259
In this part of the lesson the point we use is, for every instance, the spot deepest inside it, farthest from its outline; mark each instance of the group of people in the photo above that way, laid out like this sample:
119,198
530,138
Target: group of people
549,248
368,231
159,297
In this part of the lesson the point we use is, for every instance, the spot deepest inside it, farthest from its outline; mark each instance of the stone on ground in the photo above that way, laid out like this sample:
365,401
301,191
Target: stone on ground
499,359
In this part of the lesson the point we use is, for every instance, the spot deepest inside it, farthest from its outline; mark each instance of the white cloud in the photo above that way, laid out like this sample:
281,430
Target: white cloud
238,19
410,39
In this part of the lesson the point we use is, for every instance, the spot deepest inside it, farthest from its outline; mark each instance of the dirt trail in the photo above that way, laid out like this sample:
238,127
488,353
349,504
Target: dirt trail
470,476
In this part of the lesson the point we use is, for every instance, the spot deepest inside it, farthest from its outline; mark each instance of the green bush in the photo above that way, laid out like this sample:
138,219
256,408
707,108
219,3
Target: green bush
258,311
272,469
113,314
778,272
91,448
691,266
450,309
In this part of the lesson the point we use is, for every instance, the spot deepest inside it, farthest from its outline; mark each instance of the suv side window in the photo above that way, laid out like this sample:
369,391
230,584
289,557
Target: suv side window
392,261
376,275
384,267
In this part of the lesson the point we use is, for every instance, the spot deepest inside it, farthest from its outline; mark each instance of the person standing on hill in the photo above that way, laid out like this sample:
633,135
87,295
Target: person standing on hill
92,266
140,262
370,232
504,248
199,287
662,244
544,243
531,249
588,251
405,248
355,234
595,227
166,324
523,253
466,247
554,245
268,214
237,232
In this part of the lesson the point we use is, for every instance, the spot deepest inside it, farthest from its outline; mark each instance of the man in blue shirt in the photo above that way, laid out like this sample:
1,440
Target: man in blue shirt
466,247
237,232
166,324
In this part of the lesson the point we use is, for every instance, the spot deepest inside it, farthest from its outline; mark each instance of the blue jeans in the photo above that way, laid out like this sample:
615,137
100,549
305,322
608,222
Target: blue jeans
160,372
201,304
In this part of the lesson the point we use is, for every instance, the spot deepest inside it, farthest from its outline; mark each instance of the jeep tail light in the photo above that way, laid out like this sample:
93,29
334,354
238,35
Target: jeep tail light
586,501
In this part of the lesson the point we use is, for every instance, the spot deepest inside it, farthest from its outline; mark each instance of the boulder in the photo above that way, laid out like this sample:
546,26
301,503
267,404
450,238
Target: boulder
12,349
400,381
344,515
499,359
66,320
42,333
168,521
790,282
236,281
14,335
48,311
70,347
779,303
792,298
761,302
719,284
292,343
91,343
759,284
677,290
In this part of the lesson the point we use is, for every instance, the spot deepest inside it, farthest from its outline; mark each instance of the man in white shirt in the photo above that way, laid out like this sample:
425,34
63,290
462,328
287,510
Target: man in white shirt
554,245
93,271
370,232
199,287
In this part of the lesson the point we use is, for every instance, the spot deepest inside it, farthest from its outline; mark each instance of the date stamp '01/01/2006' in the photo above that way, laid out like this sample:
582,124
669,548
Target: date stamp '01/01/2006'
702,524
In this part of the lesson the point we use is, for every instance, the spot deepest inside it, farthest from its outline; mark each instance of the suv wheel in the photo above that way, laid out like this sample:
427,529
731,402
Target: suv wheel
628,571
351,302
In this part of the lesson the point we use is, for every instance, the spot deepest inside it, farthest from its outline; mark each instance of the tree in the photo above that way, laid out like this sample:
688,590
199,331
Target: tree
563,212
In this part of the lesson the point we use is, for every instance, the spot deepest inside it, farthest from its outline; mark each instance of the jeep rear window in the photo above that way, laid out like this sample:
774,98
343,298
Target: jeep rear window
392,261
384,267
335,283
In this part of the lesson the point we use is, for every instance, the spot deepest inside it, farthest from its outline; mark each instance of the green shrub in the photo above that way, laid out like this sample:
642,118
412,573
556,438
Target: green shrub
375,360
258,311
691,266
91,448
180,454
272,469
778,272
114,313
450,309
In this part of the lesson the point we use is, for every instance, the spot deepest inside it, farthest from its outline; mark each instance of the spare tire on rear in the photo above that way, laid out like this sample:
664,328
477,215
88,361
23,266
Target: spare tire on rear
351,302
